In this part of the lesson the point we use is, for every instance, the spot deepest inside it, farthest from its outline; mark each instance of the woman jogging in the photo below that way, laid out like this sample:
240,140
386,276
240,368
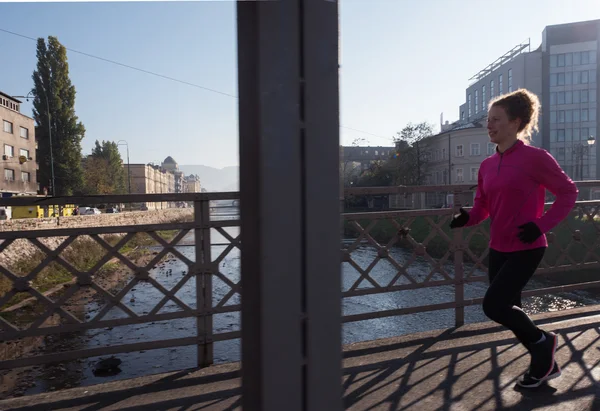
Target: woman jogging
511,191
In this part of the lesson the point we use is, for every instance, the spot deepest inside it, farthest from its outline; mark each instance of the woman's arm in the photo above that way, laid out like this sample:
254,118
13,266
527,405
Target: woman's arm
550,175
480,210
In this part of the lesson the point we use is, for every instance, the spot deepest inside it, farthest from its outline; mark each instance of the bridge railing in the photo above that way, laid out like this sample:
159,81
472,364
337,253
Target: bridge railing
85,277
381,252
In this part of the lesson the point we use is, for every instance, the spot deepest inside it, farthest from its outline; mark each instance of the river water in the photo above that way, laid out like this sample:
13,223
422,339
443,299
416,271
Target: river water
143,297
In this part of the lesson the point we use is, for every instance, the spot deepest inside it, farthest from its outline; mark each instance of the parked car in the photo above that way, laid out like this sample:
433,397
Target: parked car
112,210
92,211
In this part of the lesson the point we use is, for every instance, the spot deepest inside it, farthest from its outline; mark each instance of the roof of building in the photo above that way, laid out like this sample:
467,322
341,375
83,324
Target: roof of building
169,160
10,97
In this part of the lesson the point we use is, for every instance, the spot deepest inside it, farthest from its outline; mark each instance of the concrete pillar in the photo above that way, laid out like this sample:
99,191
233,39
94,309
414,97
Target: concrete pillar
289,183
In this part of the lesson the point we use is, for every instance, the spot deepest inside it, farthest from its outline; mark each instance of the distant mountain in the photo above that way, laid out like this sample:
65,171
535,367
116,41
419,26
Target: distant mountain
214,179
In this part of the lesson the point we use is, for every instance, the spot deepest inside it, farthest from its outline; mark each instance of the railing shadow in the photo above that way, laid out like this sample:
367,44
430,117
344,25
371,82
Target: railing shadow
482,375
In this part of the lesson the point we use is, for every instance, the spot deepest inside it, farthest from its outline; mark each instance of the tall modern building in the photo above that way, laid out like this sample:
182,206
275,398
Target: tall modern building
570,98
518,68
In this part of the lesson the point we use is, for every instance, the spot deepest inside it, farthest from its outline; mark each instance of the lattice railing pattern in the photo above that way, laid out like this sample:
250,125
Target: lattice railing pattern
452,257
28,310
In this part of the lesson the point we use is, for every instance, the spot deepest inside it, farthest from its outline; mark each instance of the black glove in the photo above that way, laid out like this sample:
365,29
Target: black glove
529,233
460,220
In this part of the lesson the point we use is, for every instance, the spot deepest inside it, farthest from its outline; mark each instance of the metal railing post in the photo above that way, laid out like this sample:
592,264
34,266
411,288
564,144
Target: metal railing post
459,284
204,319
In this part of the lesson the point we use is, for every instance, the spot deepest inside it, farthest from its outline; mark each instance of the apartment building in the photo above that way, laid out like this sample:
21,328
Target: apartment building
17,138
570,103
192,184
151,179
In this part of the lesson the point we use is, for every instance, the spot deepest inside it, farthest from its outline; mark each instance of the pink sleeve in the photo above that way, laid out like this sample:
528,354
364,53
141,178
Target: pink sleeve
480,210
550,175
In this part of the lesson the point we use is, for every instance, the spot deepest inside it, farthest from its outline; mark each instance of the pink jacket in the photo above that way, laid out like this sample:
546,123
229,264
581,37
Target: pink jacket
511,190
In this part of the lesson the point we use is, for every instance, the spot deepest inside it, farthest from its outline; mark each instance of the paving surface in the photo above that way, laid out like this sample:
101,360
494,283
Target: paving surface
474,367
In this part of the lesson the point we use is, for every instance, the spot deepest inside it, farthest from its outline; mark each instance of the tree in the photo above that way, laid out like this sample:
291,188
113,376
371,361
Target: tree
350,170
412,156
54,96
103,170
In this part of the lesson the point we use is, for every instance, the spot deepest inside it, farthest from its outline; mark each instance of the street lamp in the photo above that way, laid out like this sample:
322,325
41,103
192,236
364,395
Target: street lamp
49,137
121,143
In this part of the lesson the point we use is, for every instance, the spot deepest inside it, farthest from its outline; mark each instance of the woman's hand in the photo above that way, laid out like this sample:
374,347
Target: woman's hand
460,220
529,233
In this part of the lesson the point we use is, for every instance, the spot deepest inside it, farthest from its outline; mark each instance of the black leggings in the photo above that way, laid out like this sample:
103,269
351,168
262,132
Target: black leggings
509,273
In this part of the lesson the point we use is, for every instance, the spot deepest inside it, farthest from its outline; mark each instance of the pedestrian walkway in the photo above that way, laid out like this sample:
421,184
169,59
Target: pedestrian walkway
474,367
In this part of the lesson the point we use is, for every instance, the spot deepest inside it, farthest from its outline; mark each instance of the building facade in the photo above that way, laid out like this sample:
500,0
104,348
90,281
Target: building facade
151,179
570,105
17,137
192,184
518,68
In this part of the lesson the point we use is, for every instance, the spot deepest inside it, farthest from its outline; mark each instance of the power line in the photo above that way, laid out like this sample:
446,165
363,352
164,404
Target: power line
128,66
166,77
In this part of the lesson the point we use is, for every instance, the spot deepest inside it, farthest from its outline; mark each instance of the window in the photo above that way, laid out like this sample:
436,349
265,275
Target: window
553,80
553,117
462,115
561,97
8,127
561,60
483,98
561,116
24,133
553,99
500,85
577,58
553,135
476,101
577,77
593,96
584,115
459,175
26,177
576,117
510,81
584,96
568,134
585,57
474,171
569,59
492,95
576,134
561,79
553,60
9,150
585,77
475,149
593,56
568,78
568,97
576,96
561,135
23,152
568,116
445,176
469,105
443,153
9,174
561,154
592,116
585,133
491,148
459,151
593,75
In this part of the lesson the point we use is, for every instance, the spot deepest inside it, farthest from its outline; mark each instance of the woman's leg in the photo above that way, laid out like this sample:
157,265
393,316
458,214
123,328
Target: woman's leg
498,304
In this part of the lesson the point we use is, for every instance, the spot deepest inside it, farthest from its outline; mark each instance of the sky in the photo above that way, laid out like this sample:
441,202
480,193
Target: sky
401,61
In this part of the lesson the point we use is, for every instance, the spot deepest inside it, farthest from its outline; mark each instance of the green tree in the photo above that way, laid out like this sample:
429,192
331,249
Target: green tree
103,170
411,161
54,96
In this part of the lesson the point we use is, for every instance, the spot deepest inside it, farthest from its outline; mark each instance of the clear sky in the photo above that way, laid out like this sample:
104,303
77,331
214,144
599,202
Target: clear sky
401,61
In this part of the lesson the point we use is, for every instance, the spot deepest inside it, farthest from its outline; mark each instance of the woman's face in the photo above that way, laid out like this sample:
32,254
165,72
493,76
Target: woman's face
500,128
